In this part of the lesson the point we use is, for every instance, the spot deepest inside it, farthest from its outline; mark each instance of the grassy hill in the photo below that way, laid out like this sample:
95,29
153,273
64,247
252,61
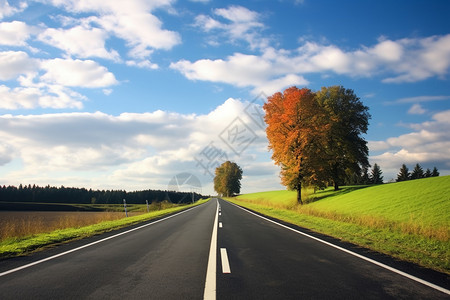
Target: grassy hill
409,220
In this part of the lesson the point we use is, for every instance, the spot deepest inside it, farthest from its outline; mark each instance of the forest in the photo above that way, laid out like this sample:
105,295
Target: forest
49,194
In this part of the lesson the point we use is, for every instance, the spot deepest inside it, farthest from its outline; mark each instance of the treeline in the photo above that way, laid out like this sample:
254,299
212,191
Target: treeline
417,173
366,176
48,194
374,176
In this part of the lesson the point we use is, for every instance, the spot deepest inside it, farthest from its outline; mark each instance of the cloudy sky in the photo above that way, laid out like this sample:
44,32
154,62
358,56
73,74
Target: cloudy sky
129,94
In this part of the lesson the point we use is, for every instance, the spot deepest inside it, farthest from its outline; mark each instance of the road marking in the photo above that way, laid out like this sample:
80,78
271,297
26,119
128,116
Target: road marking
220,213
220,225
210,282
225,263
424,282
91,244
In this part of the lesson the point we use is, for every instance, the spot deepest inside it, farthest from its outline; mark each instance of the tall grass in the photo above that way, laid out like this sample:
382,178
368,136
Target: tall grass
19,224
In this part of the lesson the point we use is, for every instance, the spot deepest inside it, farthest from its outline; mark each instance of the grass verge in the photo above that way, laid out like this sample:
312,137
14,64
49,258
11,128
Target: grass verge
381,218
20,246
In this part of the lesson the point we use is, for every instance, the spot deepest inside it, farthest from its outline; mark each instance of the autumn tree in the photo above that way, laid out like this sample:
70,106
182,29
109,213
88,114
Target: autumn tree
345,119
294,131
227,181
316,137
403,174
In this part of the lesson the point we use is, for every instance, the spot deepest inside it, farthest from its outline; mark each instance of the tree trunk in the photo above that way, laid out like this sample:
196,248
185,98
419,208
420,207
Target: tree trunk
299,193
336,186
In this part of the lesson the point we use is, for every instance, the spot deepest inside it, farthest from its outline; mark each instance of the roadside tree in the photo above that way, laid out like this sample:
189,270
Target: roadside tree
227,181
295,130
316,137
346,119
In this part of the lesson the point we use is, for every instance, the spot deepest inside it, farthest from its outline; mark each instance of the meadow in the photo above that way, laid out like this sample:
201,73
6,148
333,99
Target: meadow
409,220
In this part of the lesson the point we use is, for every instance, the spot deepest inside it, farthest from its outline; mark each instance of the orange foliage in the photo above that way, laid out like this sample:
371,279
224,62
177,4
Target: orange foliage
294,125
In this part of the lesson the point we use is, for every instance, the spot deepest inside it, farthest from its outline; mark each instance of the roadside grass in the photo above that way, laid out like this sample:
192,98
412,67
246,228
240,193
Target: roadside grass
408,220
15,246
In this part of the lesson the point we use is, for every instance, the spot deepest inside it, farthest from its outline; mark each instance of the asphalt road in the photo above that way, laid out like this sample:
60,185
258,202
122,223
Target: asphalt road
170,259
166,260
268,261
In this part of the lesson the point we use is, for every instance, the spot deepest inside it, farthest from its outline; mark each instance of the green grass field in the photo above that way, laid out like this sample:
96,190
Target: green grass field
409,220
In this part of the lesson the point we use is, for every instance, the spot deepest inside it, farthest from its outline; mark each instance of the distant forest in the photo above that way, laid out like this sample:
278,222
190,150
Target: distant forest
48,194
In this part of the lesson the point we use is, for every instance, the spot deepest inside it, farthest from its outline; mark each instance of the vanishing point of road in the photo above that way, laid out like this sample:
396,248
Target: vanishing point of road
213,251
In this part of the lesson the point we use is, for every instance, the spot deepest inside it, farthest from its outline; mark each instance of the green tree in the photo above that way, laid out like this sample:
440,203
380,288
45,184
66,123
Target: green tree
227,181
417,172
345,120
365,178
403,175
427,173
375,175
435,172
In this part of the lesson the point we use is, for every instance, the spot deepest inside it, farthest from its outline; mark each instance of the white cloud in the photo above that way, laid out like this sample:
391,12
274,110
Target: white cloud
427,145
6,153
93,44
79,73
39,95
406,59
239,23
419,99
424,58
131,21
144,64
15,63
15,33
261,73
7,10
131,150
417,109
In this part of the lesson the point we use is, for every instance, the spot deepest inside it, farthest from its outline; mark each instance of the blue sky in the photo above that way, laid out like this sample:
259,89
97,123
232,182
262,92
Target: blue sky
128,94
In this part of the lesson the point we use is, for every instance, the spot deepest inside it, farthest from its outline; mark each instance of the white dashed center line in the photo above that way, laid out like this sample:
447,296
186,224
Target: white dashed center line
225,263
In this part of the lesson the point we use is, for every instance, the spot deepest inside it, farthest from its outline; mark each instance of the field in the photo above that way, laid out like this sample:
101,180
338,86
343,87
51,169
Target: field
25,231
18,224
409,220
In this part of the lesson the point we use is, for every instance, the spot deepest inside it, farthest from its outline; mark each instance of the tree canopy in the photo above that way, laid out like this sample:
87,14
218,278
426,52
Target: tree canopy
227,181
315,137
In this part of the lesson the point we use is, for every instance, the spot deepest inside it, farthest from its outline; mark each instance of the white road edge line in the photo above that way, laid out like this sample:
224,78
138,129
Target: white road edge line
210,282
225,263
90,244
424,282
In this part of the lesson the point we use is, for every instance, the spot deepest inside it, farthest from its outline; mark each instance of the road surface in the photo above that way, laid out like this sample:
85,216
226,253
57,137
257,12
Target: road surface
252,258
